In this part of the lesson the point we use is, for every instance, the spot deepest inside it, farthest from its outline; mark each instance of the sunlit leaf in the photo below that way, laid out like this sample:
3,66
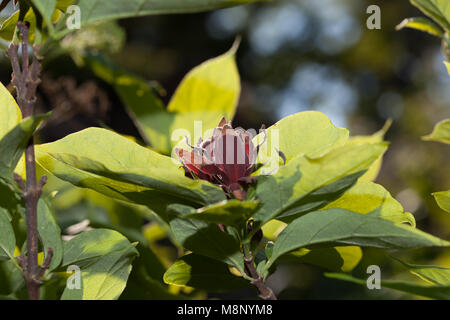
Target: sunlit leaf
117,167
306,184
365,197
438,10
441,132
308,133
342,227
443,199
421,24
104,257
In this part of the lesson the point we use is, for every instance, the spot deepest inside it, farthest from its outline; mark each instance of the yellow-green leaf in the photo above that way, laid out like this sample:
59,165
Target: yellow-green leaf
443,199
441,132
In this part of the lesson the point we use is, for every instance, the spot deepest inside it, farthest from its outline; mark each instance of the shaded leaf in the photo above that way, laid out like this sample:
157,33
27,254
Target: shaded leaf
14,143
434,292
342,227
230,212
205,239
334,259
7,238
203,273
98,10
49,233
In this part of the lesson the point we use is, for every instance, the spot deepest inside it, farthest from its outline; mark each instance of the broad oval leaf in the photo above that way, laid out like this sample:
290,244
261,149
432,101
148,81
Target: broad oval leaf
104,257
305,184
366,197
342,227
308,133
98,10
124,170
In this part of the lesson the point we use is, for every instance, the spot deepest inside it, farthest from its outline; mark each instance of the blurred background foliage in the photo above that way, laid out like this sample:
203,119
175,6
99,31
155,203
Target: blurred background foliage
295,55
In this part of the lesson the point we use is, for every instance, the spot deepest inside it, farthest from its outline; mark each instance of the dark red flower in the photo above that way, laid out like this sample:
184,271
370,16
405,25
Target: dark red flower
227,159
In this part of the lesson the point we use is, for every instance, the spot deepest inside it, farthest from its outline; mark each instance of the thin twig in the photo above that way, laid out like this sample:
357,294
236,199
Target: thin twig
25,79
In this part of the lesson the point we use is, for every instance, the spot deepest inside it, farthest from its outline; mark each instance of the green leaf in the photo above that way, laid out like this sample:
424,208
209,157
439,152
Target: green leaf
98,10
203,273
421,24
438,10
441,132
9,110
443,199
365,197
50,234
334,259
14,143
7,238
104,257
230,213
46,8
372,173
434,292
8,28
204,96
124,170
308,133
11,278
145,108
205,239
306,184
342,227
447,65
197,106
432,274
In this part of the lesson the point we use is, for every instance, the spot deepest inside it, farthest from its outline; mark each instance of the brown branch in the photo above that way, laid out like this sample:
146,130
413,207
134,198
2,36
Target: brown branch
265,292
25,79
